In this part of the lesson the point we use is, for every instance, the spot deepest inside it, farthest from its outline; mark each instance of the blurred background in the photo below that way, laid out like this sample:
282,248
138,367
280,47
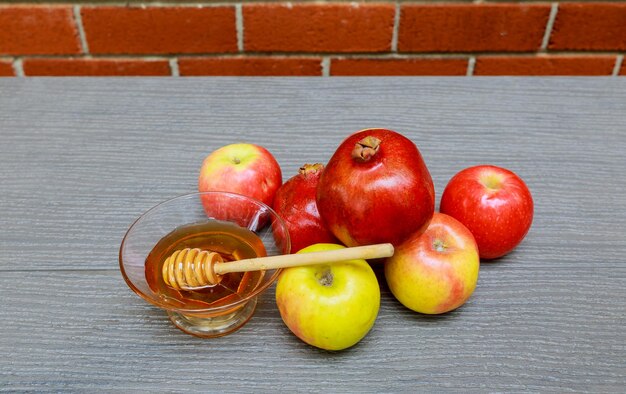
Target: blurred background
321,38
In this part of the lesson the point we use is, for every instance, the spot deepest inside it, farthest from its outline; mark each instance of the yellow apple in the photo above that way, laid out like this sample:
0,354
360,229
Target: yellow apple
330,306
436,271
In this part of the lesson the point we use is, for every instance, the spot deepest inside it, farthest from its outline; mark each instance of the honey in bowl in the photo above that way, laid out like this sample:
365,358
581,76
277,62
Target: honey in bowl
232,242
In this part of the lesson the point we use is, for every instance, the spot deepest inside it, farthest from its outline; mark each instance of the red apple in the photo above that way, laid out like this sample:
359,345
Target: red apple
494,203
375,189
436,271
241,168
295,203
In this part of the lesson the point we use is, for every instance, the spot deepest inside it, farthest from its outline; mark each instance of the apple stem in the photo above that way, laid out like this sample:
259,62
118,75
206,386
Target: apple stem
326,278
439,245
491,181
366,148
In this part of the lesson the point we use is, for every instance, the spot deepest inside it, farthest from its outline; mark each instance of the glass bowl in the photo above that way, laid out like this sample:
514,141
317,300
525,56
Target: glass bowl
234,225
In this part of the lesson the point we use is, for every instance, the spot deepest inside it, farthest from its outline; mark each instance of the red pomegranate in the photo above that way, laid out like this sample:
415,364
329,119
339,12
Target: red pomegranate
295,203
376,188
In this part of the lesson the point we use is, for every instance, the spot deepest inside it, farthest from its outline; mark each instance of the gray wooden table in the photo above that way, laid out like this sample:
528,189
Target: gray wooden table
80,159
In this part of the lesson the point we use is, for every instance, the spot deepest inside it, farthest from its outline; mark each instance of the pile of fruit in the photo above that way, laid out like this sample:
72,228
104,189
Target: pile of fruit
376,188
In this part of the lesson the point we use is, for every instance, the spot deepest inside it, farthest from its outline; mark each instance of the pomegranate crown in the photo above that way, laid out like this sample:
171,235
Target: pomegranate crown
366,148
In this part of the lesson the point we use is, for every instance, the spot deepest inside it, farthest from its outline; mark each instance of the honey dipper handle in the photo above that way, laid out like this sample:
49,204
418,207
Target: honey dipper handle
295,260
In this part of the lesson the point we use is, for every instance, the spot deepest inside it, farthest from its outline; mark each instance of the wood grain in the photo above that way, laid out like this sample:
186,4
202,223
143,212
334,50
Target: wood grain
80,159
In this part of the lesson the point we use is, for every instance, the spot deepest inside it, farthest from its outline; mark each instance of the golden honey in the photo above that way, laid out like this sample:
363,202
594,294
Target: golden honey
230,241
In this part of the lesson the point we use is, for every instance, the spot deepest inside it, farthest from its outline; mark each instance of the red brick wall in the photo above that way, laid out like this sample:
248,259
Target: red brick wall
314,38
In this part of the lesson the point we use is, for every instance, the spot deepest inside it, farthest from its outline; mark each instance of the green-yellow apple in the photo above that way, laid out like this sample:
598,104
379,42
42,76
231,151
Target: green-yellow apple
330,306
436,271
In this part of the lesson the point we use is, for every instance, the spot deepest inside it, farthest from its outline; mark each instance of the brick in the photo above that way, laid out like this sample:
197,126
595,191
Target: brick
370,67
623,69
261,66
472,27
545,65
318,27
595,26
95,67
38,30
6,69
160,30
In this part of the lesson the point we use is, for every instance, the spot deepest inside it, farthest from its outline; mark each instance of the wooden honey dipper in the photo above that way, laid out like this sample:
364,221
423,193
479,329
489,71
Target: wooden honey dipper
189,269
